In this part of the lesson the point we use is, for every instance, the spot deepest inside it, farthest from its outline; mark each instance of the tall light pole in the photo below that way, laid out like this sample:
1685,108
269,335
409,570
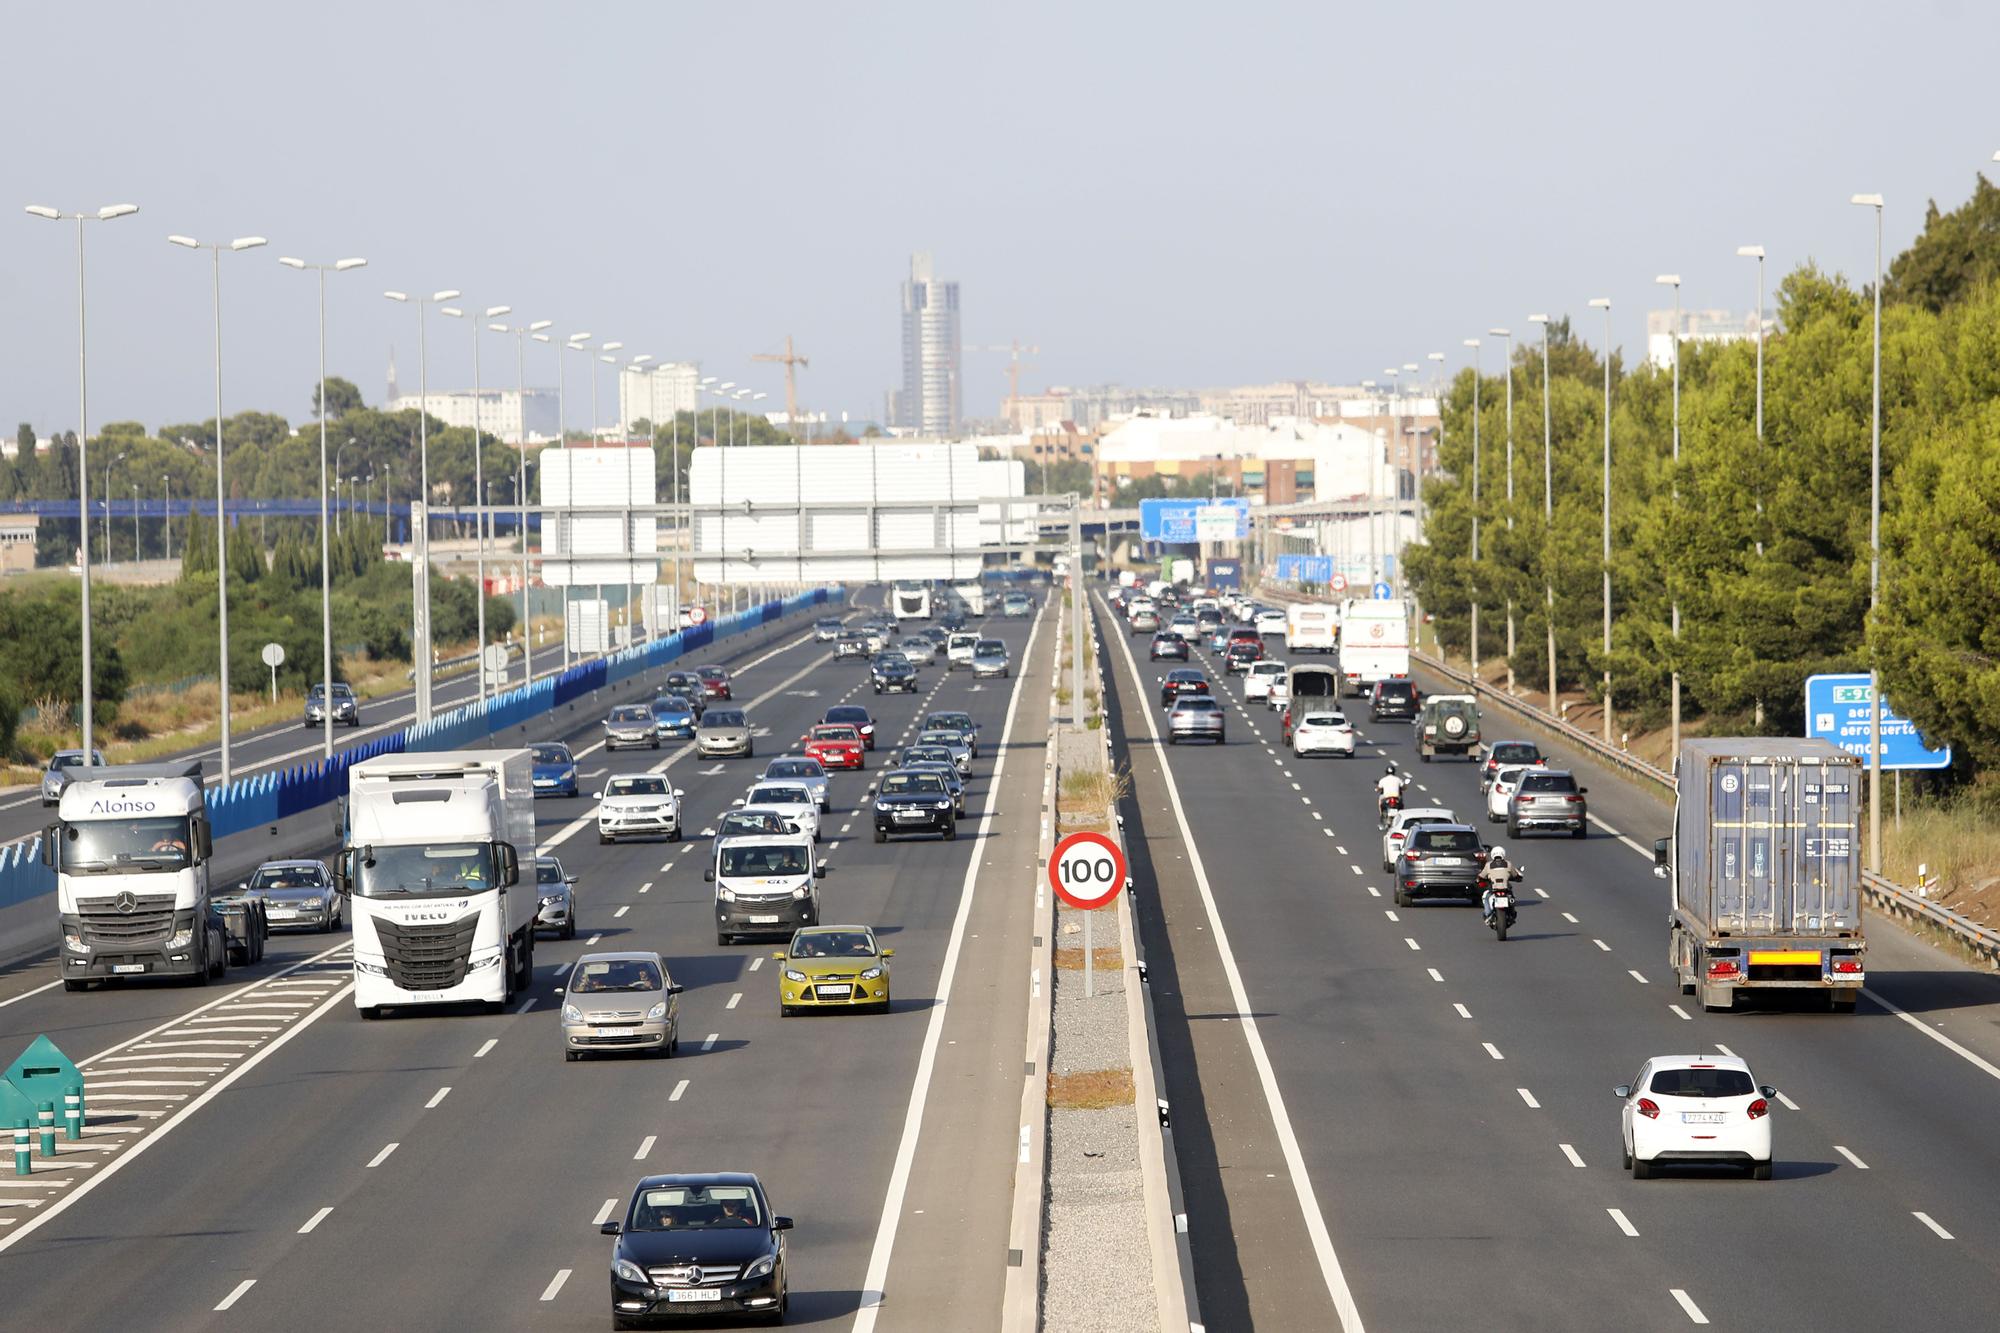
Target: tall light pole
478,479
1673,280
339,470
420,536
107,509
580,343
105,214
167,517
1604,303
1874,201
1508,336
1473,343
1548,513
1388,470
1756,252
325,544
605,347
721,391
521,334
640,363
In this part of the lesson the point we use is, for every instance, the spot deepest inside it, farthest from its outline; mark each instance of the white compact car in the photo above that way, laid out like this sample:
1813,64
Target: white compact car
1323,731
1506,782
638,805
958,650
1257,680
1271,620
791,801
1696,1108
1399,829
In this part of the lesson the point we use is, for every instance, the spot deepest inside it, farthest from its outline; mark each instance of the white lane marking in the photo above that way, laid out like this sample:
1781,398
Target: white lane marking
1355,868
1602,945
647,887
491,1042
592,941
1329,832
708,1042
555,1284
1391,915
1790,1105
437,1098
1414,946
1374,892
1295,786
1529,1098
679,1088
756,963
645,1147
1852,1160
1936,1036
620,912
1570,1153
1687,1304
1463,1012
1925,1218
16,999
1723,1049
1634,974
1681,1013
237,1294
734,1000
1435,974
1492,1050
315,1220
604,1213
525,1005
899,1176
1623,1225
1572,920
1542,891
1338,848
382,1156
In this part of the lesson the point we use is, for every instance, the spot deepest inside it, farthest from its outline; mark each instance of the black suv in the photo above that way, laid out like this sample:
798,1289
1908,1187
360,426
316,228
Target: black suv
1439,861
1392,700
1240,654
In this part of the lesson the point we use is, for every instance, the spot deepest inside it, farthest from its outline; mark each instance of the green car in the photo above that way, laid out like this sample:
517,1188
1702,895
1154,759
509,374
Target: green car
833,967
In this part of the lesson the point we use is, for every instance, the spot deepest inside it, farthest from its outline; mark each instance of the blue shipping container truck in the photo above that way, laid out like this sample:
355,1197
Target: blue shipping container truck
1225,574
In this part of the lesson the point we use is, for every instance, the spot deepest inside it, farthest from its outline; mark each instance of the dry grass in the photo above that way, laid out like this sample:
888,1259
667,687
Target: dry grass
1107,959
1092,1090
1085,794
1960,849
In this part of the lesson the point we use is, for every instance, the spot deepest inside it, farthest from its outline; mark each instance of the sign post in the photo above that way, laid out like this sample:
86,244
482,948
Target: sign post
1087,871
274,657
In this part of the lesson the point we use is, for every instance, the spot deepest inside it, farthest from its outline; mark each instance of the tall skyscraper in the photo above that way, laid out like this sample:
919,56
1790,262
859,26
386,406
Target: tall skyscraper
929,398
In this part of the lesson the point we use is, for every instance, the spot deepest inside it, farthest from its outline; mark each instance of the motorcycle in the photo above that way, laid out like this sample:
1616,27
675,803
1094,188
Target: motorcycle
1499,904
1385,810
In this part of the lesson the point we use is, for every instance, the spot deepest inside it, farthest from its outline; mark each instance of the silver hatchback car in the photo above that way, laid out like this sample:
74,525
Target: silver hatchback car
620,1002
1195,717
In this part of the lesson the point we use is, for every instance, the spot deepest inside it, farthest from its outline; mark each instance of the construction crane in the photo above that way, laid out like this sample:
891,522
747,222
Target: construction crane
1014,352
790,360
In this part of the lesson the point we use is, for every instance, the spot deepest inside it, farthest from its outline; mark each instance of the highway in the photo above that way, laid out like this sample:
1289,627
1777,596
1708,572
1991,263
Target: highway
271,1158
1386,1110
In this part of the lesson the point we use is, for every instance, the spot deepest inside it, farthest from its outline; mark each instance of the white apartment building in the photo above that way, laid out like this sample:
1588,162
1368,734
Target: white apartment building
657,392
505,414
1697,326
929,399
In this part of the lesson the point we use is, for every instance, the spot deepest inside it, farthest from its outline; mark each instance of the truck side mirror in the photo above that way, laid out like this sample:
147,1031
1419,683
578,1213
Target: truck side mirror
204,840
343,882
1661,847
49,836
510,864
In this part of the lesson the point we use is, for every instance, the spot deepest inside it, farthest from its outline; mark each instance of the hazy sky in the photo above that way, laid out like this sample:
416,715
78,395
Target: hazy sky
1163,193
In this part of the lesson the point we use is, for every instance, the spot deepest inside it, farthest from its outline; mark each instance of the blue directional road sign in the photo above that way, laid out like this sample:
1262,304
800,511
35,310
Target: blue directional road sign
1837,709
1174,521
1382,593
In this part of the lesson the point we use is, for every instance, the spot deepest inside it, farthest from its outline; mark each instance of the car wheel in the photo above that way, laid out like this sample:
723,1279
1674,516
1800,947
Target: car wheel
723,938
1403,897
951,831
786,1011
371,1012
1580,831
1624,1158
1641,1169
569,930
570,1057
1760,1170
656,745
881,835
603,838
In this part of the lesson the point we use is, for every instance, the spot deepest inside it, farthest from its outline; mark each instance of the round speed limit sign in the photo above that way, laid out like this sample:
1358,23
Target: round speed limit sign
1087,870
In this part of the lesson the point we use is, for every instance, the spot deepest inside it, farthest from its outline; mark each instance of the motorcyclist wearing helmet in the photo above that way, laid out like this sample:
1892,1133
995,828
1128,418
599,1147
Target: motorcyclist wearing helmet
1388,788
1497,871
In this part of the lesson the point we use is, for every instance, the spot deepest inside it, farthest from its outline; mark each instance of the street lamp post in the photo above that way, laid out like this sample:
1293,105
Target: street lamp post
1548,514
1673,280
603,347
105,214
640,364
420,536
1508,336
1473,343
521,334
339,471
1604,303
138,550
107,509
1756,252
167,516
325,544
478,484
1874,201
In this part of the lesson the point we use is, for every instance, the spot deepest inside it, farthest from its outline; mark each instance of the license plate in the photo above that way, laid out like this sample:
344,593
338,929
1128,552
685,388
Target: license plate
617,1032
833,990
128,967
909,814
692,1296
1701,1117
766,919
1450,861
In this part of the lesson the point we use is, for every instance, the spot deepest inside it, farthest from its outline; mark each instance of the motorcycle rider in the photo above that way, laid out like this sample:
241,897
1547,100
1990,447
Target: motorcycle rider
1497,872
1389,787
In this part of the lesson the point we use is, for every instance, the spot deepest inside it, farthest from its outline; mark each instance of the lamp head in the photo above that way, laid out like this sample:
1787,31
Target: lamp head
1600,303
289,262
248,243
1668,280
1538,319
44,211
188,241
342,265
1867,200
110,211
1750,251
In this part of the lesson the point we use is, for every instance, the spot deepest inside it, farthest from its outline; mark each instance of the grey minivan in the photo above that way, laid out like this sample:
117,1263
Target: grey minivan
724,731
620,1002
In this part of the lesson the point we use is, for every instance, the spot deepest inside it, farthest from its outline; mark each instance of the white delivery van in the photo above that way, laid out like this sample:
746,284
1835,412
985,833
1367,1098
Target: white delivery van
1312,627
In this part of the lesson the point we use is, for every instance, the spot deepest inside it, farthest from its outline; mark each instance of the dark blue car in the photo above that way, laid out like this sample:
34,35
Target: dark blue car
555,769
673,715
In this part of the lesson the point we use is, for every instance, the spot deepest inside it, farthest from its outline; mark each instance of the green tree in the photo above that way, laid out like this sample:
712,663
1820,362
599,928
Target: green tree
1955,254
341,398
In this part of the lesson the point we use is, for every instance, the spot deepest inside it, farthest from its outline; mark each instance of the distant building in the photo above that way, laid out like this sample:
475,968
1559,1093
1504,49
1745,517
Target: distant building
1035,411
657,393
1278,462
506,414
17,542
1697,326
928,401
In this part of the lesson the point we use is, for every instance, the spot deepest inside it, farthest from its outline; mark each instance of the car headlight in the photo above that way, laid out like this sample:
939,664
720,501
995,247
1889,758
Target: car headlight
370,969
944,805
871,974
657,1012
759,1268
630,1272
75,942
883,806
793,974
571,1014
181,939
311,903
725,893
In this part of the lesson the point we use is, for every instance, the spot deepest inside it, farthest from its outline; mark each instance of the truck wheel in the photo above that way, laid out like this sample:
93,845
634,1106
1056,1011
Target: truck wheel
371,1012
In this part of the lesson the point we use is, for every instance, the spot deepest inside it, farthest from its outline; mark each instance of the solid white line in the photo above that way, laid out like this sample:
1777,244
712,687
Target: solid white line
1570,1153
1687,1304
899,1176
16,999
315,1220
1681,1013
1852,1160
235,1295
437,1097
383,1156
679,1088
645,1146
1623,1225
604,1213
1315,1221
1463,1012
555,1284
1529,1098
734,1000
1936,1036
1925,1218
1492,1050
491,1042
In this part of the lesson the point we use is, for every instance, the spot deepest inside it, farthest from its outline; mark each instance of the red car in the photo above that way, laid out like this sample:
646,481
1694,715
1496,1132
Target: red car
835,745
714,682
854,715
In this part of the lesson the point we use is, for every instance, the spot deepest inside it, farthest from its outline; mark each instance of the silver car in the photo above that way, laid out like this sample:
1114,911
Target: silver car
57,776
620,1002
630,726
346,708
1195,717
919,649
954,741
296,895
555,902
724,731
807,773
989,658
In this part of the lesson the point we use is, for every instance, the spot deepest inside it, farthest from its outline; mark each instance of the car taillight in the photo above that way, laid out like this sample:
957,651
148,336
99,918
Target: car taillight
1649,1108
1414,855
1409,884
1574,800
1719,968
1759,1109
1847,964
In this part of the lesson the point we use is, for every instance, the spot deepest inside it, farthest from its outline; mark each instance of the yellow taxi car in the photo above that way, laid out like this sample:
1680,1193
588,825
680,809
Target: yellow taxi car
833,967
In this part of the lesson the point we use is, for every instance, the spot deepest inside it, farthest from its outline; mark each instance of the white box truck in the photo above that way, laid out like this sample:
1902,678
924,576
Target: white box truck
1312,627
1374,642
911,601
439,863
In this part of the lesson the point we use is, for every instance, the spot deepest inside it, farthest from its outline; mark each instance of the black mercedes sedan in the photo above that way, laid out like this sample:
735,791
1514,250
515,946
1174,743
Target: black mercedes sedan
891,672
697,1247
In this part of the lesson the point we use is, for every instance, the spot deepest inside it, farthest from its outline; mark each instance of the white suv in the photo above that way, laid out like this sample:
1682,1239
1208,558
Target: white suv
1257,680
638,805
1696,1108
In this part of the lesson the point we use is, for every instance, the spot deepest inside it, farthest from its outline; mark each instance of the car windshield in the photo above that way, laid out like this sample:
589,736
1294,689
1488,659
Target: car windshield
840,733
695,1208
1548,782
850,713
548,872
1702,1082
67,759
1445,840
550,754
268,878
1394,689
927,754
905,784
827,624
990,646
339,692
125,846
773,794
670,703
1508,776
738,822
424,870
711,673
944,738
951,721
833,944
722,718
765,859
793,768
1515,752
633,713
639,786
612,974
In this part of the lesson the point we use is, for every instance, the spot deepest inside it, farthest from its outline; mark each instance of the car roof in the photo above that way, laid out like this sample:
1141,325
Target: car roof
1685,1061
1184,673
622,956
1428,810
824,929
290,863
1460,827
1494,745
697,1178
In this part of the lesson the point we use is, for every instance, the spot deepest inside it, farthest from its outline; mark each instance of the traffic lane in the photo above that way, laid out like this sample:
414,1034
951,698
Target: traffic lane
1360,1048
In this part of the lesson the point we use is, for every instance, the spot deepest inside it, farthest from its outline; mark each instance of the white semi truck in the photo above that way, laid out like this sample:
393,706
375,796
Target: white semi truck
131,848
439,863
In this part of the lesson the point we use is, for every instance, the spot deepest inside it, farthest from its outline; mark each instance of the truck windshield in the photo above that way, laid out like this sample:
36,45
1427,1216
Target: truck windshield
425,869
125,846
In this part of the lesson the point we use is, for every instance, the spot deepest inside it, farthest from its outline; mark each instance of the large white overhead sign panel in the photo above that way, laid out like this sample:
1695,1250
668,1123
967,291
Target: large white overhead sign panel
619,475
